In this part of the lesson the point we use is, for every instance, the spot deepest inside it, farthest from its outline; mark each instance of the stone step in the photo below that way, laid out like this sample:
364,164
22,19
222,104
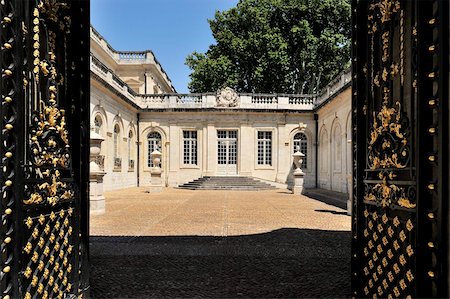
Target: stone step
226,183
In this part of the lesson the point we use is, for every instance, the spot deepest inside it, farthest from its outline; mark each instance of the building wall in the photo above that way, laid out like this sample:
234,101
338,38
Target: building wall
115,106
171,125
333,141
113,112
334,146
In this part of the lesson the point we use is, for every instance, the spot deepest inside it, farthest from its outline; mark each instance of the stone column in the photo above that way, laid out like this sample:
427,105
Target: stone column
96,197
156,184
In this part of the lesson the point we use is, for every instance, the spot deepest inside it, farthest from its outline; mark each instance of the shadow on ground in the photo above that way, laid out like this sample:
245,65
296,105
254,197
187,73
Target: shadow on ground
294,263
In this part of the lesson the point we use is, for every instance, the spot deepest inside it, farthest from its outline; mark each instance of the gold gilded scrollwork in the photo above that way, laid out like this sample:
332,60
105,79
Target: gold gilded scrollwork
50,142
387,9
388,143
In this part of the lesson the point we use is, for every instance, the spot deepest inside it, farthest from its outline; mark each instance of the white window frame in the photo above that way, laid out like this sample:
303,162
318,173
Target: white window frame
116,138
98,123
190,147
263,161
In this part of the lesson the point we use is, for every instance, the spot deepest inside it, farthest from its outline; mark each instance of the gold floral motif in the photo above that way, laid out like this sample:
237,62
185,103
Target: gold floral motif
390,254
409,225
409,250
385,284
409,276
404,202
387,9
29,222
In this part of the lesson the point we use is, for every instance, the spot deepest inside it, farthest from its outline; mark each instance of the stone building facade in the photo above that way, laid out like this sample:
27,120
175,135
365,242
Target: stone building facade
135,108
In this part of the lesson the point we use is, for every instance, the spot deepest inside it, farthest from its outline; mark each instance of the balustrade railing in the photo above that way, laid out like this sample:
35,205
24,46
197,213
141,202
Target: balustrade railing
132,55
209,100
118,80
300,100
264,99
103,68
155,98
189,98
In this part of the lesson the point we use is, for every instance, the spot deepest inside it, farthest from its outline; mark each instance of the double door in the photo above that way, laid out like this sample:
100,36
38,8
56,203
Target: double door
227,152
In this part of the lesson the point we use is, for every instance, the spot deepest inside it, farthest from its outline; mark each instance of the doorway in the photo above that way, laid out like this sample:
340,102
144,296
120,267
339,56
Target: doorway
227,152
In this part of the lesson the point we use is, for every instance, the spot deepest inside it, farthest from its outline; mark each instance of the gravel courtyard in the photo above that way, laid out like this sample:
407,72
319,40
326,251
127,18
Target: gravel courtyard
219,244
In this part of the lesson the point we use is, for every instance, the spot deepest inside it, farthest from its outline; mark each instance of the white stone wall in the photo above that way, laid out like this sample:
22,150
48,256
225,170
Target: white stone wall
112,111
334,147
171,124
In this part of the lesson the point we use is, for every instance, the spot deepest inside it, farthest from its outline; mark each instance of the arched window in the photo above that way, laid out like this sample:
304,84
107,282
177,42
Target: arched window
98,124
301,144
337,148
324,151
154,142
116,140
130,151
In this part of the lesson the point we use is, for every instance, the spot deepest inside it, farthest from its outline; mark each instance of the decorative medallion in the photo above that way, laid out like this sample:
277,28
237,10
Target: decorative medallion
227,97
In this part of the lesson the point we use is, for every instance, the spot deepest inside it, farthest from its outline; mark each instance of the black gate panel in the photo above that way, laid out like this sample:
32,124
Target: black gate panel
44,148
400,142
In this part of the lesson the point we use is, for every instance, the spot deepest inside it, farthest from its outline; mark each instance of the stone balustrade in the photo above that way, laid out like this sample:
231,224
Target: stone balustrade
136,56
210,100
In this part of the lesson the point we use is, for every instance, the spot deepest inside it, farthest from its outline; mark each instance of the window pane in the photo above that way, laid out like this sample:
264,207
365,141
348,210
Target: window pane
190,147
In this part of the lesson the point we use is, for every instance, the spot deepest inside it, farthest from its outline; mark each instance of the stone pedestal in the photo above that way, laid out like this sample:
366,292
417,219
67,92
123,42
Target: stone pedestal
156,184
96,198
298,183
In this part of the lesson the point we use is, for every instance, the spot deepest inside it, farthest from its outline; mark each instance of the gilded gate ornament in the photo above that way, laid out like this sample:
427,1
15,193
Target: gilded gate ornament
49,145
384,257
42,237
388,146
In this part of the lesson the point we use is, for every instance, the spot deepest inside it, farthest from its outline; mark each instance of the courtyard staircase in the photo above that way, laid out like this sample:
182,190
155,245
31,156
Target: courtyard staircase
227,183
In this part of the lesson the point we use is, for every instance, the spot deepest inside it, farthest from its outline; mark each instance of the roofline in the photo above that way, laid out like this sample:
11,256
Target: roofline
135,52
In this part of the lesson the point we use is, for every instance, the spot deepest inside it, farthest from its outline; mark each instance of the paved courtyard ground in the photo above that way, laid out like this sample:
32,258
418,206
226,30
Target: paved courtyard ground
219,244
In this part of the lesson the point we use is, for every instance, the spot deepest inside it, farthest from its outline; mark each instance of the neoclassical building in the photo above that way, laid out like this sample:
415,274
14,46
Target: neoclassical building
135,108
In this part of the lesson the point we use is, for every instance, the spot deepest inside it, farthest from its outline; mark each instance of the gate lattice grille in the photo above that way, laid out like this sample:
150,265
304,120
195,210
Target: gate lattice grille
45,191
397,86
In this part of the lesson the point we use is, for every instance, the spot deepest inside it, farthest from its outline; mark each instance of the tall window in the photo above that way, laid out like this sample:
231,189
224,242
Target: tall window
130,155
116,140
154,142
98,124
301,144
324,151
337,148
264,148
190,147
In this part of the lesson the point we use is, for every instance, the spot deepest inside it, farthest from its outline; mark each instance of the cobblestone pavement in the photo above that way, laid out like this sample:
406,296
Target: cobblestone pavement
215,244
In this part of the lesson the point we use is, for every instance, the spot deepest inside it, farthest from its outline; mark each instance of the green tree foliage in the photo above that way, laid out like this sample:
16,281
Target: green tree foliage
274,46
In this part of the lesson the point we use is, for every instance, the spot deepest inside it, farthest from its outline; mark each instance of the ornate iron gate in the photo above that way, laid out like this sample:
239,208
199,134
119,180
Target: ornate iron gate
400,133
44,148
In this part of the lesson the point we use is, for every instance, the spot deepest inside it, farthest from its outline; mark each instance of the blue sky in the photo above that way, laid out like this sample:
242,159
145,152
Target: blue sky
172,29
